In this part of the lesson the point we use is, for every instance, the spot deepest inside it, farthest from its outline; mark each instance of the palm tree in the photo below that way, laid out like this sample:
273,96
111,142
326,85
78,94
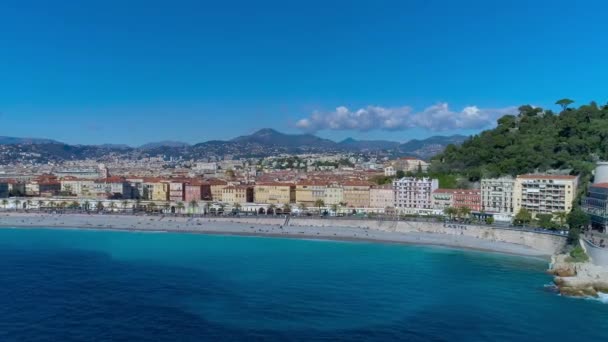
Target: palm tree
5,203
87,206
125,204
63,204
237,207
222,207
28,203
152,207
207,207
17,203
193,205
464,211
302,207
99,206
166,206
180,206
561,217
334,208
112,206
40,204
137,204
450,212
319,203
74,205
286,208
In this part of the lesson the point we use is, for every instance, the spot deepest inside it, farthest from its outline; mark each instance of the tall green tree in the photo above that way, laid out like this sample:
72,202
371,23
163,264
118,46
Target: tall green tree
564,103
577,220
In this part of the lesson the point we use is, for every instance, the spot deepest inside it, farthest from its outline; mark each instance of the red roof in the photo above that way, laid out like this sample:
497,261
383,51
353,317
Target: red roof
600,185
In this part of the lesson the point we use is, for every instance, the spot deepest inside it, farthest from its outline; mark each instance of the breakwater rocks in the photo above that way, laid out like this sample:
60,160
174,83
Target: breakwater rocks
578,279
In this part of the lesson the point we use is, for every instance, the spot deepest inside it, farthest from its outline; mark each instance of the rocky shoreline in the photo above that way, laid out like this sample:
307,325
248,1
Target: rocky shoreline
578,279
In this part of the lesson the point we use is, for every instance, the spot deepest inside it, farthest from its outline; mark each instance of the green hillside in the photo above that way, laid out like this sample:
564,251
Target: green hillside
535,140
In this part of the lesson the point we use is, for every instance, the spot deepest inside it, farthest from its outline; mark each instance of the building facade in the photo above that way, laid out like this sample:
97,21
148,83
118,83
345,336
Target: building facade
497,195
237,194
275,193
544,194
442,199
334,194
414,193
356,194
309,192
382,196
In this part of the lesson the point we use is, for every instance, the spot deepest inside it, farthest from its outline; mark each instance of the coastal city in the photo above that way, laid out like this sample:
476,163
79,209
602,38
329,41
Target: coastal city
312,185
303,171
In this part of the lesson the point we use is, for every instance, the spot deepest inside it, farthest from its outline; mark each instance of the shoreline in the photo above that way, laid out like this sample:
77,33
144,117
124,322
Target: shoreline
270,228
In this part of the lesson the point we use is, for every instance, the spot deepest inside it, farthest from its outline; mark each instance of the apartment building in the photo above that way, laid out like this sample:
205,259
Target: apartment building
356,194
334,194
160,191
442,199
497,195
414,193
176,191
275,193
308,192
237,194
595,203
217,186
544,194
382,196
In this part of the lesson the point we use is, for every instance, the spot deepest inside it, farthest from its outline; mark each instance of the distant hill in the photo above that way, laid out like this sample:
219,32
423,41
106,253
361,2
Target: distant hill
265,142
535,140
164,143
271,137
25,141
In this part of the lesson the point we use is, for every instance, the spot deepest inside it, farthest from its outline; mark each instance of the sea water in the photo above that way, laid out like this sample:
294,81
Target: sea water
83,285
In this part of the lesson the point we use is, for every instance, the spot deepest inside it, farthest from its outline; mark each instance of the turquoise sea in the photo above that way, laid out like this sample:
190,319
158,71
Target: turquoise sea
82,285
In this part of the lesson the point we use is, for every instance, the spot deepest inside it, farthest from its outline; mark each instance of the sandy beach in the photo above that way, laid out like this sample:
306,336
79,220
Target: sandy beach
252,227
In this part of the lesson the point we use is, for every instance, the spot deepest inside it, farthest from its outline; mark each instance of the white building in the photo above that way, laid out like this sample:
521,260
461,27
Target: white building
497,195
414,193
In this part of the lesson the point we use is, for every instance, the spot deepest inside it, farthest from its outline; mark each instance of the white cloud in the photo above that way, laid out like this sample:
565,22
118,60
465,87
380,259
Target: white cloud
438,117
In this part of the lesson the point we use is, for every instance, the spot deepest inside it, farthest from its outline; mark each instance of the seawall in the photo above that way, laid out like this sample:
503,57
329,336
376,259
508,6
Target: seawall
546,243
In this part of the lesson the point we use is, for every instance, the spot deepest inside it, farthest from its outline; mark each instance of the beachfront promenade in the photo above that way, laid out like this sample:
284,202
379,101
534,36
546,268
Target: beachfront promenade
421,231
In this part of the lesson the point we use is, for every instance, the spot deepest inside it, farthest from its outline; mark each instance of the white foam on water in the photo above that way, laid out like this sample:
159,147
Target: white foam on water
602,297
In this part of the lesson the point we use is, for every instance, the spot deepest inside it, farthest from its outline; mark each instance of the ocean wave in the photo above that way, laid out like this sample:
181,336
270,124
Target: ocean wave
602,297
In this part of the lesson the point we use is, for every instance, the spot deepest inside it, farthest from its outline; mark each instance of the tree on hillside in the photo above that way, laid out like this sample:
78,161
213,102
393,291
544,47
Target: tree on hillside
400,174
564,103
531,141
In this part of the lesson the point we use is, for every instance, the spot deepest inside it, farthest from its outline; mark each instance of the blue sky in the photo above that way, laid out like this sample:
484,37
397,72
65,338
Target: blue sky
138,71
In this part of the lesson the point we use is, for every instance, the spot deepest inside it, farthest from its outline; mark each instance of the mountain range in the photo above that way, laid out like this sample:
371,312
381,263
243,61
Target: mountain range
265,142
